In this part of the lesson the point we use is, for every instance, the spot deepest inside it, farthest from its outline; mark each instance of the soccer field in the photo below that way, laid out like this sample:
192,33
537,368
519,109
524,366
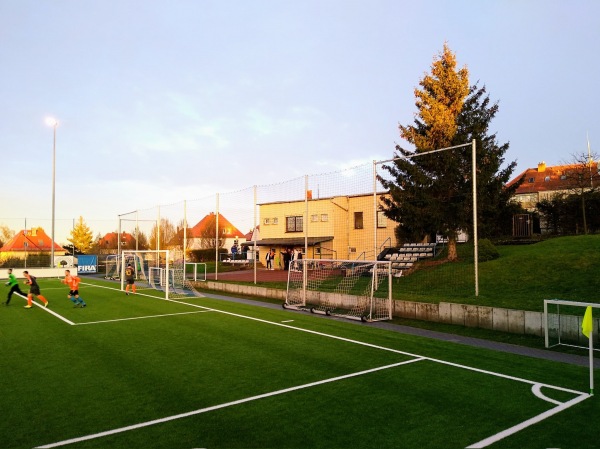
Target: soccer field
141,372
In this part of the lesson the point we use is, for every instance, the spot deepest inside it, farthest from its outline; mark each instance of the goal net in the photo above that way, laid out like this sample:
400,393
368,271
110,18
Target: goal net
355,289
112,267
156,274
562,323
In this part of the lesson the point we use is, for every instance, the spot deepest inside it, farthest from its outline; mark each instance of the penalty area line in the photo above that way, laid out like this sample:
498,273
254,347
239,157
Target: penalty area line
225,405
141,317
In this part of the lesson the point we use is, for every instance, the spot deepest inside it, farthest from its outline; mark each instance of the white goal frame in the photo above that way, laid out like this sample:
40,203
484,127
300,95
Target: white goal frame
140,272
306,276
573,326
199,271
567,324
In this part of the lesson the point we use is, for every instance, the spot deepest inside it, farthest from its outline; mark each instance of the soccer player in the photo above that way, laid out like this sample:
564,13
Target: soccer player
14,286
34,289
129,279
73,283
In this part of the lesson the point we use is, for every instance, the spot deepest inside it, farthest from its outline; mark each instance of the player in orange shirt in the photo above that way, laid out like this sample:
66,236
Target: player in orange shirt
73,283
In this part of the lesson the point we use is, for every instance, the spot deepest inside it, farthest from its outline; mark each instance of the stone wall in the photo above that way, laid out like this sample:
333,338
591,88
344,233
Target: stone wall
494,318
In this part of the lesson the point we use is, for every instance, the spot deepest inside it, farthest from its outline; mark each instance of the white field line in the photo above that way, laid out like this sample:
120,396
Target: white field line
536,419
536,385
140,317
221,406
119,290
50,311
361,343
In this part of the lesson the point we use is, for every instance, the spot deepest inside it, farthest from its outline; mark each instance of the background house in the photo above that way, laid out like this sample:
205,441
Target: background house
109,243
339,227
543,182
203,234
30,242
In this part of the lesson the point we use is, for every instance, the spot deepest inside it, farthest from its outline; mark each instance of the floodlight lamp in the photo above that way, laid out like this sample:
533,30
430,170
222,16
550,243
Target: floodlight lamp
51,121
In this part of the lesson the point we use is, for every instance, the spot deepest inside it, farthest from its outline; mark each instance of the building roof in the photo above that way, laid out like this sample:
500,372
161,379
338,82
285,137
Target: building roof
310,197
547,178
229,230
289,241
110,239
34,239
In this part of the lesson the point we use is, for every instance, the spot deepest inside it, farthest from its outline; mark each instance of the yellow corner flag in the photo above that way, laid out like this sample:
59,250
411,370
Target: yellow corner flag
587,325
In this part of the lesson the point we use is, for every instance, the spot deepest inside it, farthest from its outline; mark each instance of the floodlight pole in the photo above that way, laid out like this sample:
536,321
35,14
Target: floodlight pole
475,238
53,123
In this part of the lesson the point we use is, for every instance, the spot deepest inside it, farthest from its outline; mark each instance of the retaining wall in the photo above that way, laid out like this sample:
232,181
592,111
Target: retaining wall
494,318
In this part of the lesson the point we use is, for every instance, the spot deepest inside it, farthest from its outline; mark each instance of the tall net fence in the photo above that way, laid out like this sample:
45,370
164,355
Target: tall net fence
333,215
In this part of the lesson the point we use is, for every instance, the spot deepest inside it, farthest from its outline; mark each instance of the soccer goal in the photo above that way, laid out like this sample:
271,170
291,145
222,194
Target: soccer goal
562,323
156,274
112,267
355,289
195,271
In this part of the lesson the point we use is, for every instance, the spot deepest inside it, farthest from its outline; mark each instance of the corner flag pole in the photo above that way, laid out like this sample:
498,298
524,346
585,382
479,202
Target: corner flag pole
587,328
591,365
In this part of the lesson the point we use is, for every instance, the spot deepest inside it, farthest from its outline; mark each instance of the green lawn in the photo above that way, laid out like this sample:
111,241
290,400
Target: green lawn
224,375
521,278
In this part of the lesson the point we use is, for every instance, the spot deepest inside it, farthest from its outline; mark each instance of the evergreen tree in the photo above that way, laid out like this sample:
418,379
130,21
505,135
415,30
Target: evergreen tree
494,206
82,238
432,193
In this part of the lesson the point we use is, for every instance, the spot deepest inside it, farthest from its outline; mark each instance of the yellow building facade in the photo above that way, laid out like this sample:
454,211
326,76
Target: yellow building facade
339,227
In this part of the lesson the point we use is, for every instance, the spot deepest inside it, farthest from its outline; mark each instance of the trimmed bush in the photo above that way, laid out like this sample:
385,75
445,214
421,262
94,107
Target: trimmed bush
487,251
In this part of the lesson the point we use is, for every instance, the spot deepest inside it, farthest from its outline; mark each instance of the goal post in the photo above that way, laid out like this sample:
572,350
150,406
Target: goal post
156,274
571,323
355,289
562,323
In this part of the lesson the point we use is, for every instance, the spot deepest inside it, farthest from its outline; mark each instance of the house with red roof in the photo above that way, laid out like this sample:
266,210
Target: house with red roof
203,234
29,241
544,182
109,243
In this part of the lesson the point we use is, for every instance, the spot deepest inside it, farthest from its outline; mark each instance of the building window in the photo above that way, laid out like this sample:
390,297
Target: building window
324,217
294,224
381,219
547,178
358,220
531,180
267,221
314,218
274,220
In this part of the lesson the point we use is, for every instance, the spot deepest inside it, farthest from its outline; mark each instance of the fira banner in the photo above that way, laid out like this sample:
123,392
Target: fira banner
87,264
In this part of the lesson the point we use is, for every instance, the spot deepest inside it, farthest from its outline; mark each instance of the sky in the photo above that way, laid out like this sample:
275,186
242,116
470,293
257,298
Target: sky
162,101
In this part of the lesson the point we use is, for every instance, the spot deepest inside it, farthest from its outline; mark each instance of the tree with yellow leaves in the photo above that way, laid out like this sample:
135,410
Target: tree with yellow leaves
81,237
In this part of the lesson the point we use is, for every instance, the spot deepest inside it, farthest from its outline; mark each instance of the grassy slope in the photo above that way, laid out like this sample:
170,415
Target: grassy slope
523,276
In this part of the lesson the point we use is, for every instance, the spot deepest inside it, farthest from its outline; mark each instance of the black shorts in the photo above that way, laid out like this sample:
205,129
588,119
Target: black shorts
74,293
130,281
34,290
